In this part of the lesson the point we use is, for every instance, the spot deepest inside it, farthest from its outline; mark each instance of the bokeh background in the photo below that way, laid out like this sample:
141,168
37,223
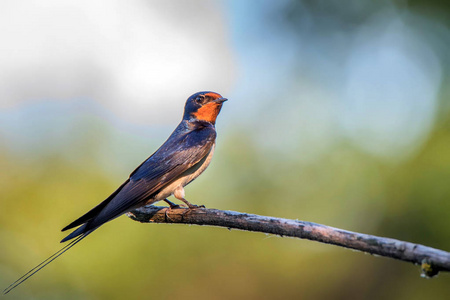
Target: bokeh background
338,114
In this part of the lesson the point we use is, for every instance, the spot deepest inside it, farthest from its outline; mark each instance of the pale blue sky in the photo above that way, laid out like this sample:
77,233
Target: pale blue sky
131,65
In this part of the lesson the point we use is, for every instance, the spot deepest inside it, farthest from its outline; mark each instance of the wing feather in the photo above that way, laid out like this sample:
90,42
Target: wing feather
178,154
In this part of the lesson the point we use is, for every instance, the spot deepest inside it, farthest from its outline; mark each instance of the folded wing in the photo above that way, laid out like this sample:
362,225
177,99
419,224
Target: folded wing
177,155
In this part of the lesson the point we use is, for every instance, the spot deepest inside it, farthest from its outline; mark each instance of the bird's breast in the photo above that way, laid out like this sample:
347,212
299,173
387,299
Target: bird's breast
186,177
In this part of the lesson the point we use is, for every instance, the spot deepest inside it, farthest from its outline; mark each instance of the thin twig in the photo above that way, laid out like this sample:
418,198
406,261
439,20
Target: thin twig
431,260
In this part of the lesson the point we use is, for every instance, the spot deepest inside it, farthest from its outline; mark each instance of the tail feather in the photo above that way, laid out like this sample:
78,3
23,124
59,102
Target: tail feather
87,216
95,211
43,264
79,231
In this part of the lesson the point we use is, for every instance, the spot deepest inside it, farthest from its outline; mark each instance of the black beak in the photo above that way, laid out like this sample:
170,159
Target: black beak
220,100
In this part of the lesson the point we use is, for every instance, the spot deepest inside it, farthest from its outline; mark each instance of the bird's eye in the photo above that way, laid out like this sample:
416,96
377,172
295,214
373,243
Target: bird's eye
199,99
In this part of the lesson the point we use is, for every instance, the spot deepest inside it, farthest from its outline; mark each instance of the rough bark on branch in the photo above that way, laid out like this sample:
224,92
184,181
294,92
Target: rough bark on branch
431,260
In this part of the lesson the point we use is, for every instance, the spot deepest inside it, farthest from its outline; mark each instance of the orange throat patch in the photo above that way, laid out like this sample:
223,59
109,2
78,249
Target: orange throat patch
208,112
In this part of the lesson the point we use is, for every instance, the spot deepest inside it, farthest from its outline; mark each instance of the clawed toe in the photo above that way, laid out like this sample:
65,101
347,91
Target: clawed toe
193,206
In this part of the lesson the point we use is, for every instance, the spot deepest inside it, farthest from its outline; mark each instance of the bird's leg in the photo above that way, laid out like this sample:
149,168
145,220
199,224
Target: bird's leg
179,194
171,204
190,205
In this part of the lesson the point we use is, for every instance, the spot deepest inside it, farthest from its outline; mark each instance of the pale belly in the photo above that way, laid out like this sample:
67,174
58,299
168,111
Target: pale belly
184,180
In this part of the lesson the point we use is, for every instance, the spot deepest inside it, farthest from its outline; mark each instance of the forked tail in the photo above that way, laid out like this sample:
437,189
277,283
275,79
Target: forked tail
43,264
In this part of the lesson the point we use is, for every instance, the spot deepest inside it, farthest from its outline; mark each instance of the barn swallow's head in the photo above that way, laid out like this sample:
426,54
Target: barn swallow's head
203,106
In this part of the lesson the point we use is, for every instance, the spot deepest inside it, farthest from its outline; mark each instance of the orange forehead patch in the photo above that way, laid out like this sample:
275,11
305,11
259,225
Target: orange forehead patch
213,95
208,112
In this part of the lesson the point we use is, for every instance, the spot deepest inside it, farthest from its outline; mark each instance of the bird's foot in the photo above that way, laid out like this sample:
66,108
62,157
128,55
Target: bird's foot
169,209
190,205
171,204
193,206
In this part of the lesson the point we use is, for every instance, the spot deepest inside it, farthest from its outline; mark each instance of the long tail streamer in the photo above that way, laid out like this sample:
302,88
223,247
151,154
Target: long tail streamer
42,264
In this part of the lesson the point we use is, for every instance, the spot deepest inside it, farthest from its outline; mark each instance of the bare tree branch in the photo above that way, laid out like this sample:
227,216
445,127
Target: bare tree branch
431,260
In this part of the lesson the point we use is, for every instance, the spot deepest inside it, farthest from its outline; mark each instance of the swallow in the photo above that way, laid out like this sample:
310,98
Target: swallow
181,159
